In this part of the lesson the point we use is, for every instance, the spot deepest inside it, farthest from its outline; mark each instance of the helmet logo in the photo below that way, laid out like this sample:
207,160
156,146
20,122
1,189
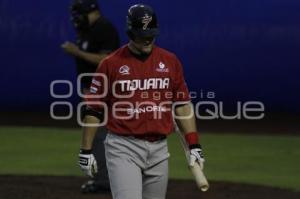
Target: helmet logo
146,20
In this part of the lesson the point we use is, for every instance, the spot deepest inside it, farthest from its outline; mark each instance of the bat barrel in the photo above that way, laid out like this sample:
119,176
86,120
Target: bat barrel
200,178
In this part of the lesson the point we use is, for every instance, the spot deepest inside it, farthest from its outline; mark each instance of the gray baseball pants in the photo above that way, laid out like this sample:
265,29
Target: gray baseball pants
101,178
137,169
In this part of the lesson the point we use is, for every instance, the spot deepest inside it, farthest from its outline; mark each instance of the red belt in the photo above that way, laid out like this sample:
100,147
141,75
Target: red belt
149,137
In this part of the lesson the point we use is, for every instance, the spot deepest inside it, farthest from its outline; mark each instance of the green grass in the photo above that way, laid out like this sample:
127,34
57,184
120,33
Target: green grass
264,160
39,151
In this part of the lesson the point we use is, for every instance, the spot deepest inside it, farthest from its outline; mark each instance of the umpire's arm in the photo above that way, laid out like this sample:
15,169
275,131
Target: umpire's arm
93,58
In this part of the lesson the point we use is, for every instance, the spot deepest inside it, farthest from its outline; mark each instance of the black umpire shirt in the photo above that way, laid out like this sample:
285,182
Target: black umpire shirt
101,37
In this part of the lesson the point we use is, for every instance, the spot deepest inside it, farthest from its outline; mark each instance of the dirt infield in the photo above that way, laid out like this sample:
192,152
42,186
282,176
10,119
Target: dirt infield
46,187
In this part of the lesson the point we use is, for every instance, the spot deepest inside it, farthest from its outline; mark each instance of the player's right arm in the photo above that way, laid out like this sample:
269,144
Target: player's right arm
93,115
89,131
87,161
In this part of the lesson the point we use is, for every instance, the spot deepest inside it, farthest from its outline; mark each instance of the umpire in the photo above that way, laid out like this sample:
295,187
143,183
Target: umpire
96,38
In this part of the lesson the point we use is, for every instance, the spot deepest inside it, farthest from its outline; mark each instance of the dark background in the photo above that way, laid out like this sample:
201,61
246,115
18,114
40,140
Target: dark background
240,50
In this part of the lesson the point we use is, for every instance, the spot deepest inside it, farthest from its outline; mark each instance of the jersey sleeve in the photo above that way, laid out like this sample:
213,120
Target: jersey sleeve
98,94
180,89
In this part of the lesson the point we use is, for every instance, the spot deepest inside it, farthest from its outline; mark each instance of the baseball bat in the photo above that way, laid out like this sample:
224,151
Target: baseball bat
196,170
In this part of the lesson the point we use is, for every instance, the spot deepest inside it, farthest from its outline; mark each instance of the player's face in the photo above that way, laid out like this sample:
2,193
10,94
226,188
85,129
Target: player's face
144,44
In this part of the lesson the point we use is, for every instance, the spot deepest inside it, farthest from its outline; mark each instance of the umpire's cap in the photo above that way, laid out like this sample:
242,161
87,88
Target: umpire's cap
84,6
141,21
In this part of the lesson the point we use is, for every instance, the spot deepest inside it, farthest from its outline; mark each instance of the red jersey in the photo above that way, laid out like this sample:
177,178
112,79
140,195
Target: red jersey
139,93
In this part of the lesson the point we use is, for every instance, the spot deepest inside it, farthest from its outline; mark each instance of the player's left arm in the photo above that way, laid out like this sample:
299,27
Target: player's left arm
185,119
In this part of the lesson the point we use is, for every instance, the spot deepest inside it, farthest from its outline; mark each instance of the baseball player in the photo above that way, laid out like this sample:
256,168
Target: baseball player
96,38
140,88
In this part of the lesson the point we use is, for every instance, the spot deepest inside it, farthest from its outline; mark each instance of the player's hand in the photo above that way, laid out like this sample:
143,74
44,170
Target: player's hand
87,162
196,155
70,48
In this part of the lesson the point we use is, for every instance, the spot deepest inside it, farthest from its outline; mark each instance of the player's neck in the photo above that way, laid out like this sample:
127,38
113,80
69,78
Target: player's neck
138,54
134,49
